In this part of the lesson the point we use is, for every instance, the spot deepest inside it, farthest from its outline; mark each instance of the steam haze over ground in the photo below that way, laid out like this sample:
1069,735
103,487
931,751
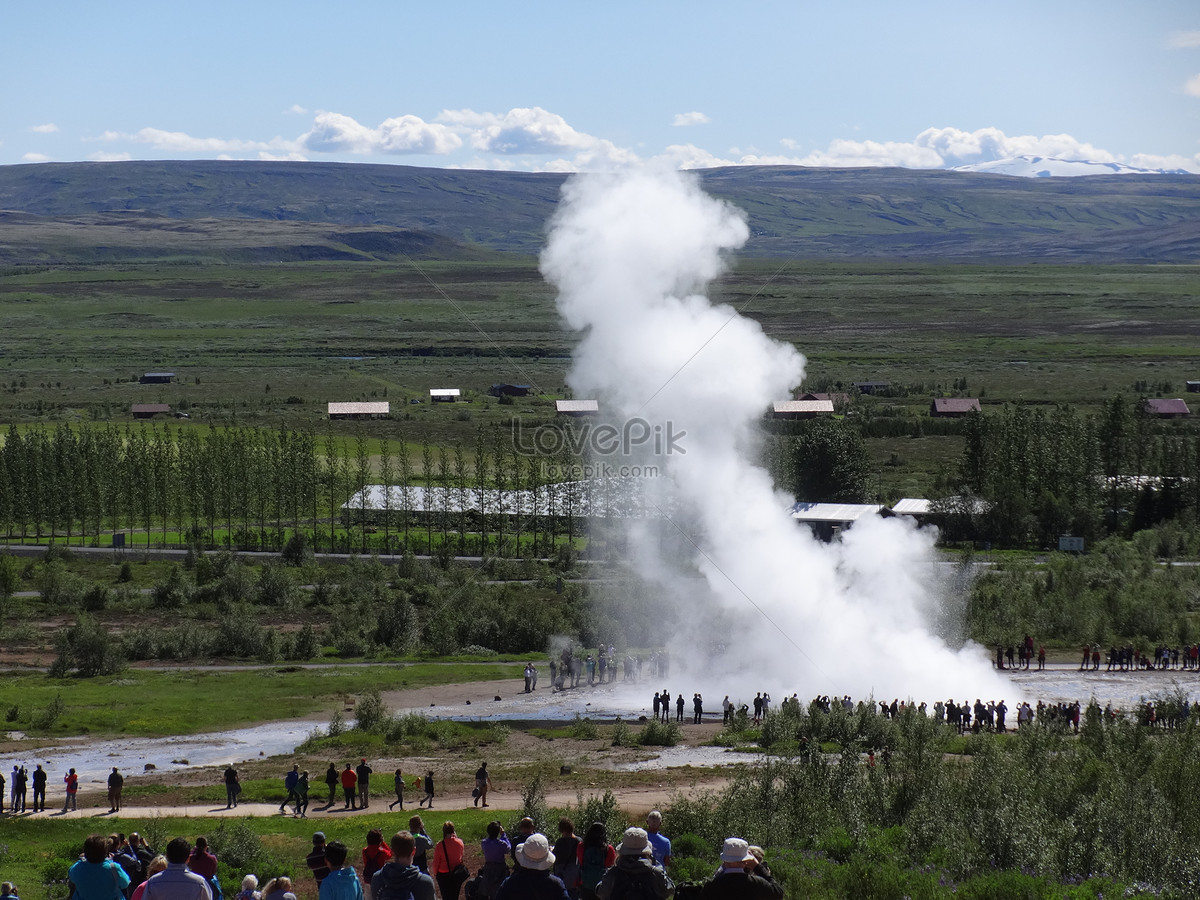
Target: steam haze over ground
631,255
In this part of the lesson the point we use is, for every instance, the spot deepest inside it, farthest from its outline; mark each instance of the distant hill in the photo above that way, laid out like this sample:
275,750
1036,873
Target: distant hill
248,211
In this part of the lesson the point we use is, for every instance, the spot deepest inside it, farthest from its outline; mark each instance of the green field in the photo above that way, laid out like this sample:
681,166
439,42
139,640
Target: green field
272,344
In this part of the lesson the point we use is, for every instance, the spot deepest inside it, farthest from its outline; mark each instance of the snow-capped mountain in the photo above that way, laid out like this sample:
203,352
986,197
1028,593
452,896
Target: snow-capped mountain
1049,167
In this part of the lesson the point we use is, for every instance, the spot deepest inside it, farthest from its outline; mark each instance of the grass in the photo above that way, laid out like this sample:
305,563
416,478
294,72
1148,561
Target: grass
147,703
270,345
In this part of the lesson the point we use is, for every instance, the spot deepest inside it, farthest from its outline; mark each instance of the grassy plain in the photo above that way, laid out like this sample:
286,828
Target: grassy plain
271,344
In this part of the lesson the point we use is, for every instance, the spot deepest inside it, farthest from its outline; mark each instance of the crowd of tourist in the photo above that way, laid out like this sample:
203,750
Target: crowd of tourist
412,866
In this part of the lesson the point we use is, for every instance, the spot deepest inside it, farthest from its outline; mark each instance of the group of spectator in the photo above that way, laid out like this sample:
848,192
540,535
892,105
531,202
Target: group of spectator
527,867
117,867
21,780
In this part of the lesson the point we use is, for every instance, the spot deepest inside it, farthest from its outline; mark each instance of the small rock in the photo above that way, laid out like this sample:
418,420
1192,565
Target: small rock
468,703
148,767
496,698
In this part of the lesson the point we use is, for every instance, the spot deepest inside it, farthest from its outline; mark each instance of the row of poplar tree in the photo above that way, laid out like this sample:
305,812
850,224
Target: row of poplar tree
248,487
1046,472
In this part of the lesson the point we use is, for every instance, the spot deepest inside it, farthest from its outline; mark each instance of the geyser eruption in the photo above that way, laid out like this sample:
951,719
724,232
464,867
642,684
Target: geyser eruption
631,255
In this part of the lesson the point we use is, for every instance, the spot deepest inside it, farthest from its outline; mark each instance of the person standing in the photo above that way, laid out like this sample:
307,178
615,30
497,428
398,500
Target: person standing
428,798
342,882
659,842
72,782
400,879
422,843
349,781
364,783
532,878
741,876
175,882
316,861
302,795
331,781
483,783
448,868
566,856
697,709
726,711
398,786
116,783
596,856
495,849
12,789
232,787
290,780
96,876
203,862
635,874
22,785
374,856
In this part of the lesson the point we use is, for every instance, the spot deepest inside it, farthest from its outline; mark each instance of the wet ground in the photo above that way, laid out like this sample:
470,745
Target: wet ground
93,759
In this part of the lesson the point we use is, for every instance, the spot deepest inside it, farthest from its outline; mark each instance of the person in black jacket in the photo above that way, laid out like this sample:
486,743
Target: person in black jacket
739,877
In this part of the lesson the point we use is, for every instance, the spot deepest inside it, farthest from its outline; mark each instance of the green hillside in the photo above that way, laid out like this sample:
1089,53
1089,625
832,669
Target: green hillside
203,210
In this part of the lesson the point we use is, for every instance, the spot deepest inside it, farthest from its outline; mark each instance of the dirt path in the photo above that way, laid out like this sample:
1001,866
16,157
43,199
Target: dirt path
634,800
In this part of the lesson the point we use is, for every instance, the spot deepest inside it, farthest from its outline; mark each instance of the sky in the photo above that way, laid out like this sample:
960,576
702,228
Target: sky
570,86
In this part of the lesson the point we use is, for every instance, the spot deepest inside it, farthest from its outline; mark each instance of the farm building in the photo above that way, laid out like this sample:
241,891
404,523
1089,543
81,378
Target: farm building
953,407
157,378
372,410
1167,409
149,410
837,399
509,390
828,520
801,409
872,387
576,407
1193,387
444,395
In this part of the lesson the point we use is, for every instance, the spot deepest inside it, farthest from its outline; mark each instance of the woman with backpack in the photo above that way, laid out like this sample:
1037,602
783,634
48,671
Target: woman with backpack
596,855
374,855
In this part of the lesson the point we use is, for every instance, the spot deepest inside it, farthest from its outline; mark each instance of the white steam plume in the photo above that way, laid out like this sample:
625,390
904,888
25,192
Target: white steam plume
631,255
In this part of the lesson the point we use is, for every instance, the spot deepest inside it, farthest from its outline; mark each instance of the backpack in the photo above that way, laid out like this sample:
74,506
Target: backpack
566,865
633,887
593,865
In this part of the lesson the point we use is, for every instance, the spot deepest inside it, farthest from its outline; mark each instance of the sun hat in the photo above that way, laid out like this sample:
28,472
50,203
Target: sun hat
635,842
535,853
735,850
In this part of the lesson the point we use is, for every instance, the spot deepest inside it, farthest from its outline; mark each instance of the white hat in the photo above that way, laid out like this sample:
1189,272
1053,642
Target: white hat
635,842
535,853
735,850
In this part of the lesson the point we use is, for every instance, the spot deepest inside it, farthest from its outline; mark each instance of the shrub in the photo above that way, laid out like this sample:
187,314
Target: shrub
659,734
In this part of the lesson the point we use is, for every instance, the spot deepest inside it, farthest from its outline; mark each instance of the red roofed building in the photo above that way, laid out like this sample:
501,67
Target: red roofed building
951,407
1167,409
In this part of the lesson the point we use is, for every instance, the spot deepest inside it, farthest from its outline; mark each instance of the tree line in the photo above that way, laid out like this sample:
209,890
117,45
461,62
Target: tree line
1043,473
254,489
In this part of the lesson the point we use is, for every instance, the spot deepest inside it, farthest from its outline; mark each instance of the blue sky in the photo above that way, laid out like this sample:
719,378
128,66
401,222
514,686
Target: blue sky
563,85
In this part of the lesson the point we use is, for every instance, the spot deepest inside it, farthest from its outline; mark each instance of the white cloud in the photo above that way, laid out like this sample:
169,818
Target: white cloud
1184,40
683,120
1193,86
1172,161
110,157
48,128
35,157
296,109
467,118
334,132
182,142
689,156
530,131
